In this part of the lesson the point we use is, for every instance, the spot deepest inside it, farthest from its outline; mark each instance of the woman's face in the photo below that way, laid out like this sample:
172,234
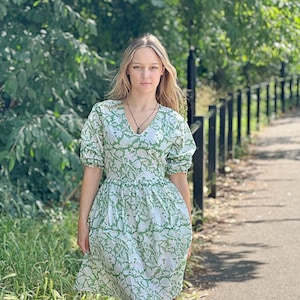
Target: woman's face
145,71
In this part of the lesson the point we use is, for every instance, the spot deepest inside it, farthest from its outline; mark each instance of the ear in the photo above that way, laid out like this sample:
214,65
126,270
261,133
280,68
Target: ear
162,71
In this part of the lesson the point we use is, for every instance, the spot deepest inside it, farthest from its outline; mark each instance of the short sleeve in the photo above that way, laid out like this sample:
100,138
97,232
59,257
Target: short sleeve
91,150
179,159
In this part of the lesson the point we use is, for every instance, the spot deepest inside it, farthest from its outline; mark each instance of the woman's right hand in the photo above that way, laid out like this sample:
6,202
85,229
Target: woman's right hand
83,237
90,185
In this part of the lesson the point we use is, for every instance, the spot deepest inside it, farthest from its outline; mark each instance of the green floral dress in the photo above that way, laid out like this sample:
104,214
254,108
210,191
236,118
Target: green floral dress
139,224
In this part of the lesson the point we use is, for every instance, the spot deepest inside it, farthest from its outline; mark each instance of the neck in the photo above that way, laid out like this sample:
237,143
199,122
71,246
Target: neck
143,102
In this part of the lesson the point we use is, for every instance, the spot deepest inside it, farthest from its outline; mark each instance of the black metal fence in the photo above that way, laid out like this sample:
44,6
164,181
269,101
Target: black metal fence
229,124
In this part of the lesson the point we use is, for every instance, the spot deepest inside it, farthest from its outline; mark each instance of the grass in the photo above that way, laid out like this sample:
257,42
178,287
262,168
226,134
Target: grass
39,258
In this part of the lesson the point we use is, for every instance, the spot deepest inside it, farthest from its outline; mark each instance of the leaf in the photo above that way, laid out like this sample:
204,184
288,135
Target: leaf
35,60
19,2
71,125
11,85
22,78
92,27
19,151
3,11
65,163
54,159
80,27
28,135
36,3
31,152
35,132
3,154
31,93
66,138
12,162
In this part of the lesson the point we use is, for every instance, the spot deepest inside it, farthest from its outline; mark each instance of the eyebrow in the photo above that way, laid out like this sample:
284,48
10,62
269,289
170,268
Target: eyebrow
138,63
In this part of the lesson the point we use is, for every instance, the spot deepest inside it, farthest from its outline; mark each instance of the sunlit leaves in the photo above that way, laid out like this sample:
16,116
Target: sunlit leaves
231,36
3,11
48,74
53,68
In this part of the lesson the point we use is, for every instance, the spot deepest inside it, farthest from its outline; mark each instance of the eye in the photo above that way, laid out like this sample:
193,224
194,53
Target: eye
154,67
135,67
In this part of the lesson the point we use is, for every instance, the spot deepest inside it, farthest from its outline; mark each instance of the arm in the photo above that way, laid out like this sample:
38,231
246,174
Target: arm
90,184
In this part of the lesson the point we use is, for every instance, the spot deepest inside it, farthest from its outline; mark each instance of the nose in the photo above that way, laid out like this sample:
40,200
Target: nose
145,73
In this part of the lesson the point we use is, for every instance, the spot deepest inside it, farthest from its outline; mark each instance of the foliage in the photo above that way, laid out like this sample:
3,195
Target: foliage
242,41
120,21
49,79
39,259
56,56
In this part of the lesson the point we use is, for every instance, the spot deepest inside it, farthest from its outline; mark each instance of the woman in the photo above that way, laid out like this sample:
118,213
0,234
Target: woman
135,230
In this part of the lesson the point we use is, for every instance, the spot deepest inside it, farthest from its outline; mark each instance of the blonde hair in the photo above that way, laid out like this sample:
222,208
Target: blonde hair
168,92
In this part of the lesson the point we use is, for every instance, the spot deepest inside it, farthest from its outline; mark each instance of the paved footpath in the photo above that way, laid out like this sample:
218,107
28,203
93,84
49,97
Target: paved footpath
258,257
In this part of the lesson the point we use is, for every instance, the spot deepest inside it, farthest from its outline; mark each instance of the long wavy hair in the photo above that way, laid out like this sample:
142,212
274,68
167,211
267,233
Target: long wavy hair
168,93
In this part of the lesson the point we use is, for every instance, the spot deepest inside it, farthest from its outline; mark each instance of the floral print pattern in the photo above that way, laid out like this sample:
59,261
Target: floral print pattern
139,224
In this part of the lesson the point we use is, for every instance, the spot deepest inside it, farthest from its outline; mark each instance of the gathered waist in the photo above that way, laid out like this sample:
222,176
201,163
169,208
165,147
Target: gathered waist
137,181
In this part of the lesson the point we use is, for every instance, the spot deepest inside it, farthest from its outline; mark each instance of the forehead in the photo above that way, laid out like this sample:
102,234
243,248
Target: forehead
145,55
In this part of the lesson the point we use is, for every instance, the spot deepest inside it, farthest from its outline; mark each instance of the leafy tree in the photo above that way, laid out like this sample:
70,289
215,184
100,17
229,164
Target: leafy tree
120,21
242,41
55,56
49,76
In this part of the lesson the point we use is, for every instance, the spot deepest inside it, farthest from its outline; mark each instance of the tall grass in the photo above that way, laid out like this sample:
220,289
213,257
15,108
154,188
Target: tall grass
39,258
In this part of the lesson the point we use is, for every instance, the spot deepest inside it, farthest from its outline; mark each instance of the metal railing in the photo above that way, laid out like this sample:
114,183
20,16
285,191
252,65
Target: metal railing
229,124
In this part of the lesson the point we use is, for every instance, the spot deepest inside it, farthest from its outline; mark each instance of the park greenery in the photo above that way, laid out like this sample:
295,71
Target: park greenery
57,58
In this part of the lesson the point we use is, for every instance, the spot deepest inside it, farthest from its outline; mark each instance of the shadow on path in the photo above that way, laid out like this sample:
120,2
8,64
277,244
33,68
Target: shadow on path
282,142
287,154
231,266
239,256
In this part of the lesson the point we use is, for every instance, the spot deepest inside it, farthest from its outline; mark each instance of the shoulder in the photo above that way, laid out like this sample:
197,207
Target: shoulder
172,115
106,105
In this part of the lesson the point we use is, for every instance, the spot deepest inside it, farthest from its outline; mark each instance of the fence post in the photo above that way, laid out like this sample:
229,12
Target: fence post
212,153
298,92
191,86
275,96
230,127
258,108
283,95
291,104
239,117
199,165
282,73
222,143
248,111
268,102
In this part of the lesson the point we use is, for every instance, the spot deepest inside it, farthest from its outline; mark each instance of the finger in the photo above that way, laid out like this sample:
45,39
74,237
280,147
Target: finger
87,245
82,246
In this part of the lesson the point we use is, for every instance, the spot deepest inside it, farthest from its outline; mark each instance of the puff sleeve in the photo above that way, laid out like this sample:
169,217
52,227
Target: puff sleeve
92,139
179,159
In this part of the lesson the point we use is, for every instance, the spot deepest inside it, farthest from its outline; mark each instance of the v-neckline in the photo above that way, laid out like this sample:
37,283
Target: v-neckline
130,127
